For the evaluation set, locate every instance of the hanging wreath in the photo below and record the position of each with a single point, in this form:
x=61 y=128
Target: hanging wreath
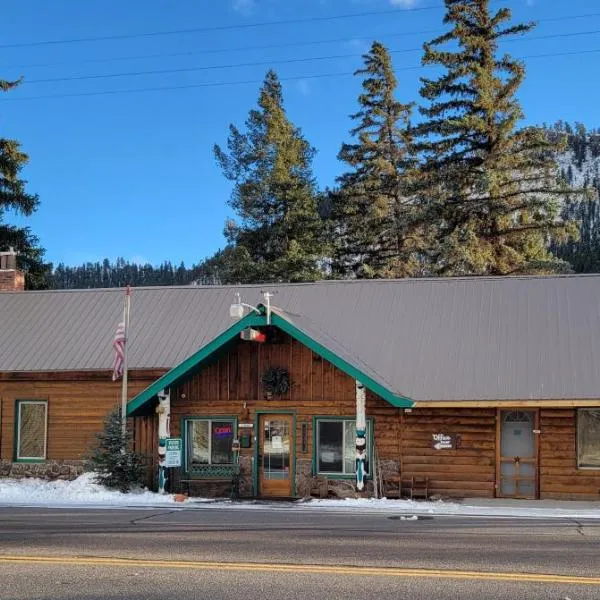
x=276 y=380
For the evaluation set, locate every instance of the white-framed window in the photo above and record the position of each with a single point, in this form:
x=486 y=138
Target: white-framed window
x=209 y=441
x=32 y=429
x=336 y=446
x=588 y=438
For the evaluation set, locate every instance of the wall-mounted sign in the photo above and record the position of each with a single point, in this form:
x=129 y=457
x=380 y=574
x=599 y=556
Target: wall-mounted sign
x=443 y=441
x=223 y=431
x=245 y=425
x=173 y=448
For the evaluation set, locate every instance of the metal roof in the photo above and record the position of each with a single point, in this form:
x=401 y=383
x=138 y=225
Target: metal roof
x=514 y=338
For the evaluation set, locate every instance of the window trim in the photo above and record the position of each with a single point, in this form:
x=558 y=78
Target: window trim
x=17 y=434
x=581 y=467
x=315 y=461
x=210 y=418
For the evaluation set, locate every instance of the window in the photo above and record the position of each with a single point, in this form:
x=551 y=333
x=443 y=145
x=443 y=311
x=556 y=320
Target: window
x=336 y=446
x=32 y=422
x=588 y=438
x=209 y=441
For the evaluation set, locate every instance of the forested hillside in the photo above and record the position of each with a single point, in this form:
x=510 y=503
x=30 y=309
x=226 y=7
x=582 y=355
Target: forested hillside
x=580 y=167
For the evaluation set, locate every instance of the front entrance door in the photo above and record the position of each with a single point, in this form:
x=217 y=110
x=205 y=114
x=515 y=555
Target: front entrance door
x=274 y=455
x=518 y=461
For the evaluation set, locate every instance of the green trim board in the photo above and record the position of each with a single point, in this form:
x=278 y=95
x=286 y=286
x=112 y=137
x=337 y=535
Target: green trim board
x=193 y=362
x=371 y=429
x=257 y=415
x=395 y=400
x=203 y=355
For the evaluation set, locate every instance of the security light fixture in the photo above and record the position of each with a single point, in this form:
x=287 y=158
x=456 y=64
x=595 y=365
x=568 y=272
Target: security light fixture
x=236 y=310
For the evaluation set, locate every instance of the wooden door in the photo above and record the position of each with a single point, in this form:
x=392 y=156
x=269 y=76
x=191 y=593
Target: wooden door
x=517 y=466
x=275 y=456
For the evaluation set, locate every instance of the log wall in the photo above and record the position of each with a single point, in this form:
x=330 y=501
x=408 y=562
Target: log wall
x=559 y=476
x=469 y=470
x=77 y=406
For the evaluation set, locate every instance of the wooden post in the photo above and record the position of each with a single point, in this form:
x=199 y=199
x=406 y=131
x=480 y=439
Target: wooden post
x=361 y=432
x=164 y=430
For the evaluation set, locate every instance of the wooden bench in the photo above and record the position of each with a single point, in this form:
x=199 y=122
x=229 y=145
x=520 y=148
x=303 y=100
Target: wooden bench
x=406 y=487
x=213 y=474
x=416 y=487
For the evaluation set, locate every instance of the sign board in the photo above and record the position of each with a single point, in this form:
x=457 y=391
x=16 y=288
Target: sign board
x=225 y=430
x=442 y=441
x=173 y=448
x=245 y=425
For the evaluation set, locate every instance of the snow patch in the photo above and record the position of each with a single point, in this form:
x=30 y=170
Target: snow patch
x=84 y=492
x=81 y=491
x=584 y=174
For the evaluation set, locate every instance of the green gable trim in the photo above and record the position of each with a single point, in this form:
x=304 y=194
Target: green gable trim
x=393 y=399
x=179 y=372
x=182 y=370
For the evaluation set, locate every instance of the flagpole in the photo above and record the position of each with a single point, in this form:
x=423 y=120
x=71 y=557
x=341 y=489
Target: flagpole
x=126 y=309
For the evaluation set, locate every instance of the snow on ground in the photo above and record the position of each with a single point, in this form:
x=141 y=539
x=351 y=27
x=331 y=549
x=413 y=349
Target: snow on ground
x=83 y=492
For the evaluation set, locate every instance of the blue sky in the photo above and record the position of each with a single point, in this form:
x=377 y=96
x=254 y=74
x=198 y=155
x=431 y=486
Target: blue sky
x=133 y=175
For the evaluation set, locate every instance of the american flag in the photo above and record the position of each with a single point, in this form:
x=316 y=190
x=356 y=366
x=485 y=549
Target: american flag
x=119 y=348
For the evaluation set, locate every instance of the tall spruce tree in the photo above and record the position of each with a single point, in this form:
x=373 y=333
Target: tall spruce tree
x=372 y=211
x=13 y=197
x=279 y=233
x=491 y=189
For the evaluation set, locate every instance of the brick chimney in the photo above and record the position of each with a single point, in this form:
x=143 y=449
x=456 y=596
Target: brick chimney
x=11 y=279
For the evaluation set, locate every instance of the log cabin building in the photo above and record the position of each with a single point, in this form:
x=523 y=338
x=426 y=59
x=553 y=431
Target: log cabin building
x=485 y=387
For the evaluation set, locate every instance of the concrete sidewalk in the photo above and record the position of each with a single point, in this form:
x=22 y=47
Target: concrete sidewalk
x=475 y=507
x=509 y=503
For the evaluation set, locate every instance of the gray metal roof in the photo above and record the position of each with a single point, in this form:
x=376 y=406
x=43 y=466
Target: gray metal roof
x=428 y=339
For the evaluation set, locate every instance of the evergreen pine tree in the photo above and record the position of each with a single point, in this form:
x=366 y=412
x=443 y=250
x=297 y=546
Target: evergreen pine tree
x=372 y=212
x=14 y=197
x=279 y=233
x=112 y=458
x=491 y=190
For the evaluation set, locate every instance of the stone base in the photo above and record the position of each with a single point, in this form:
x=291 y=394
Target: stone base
x=51 y=469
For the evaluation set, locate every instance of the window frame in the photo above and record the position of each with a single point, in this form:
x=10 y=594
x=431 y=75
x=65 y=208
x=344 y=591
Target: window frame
x=580 y=411
x=17 y=436
x=210 y=418
x=370 y=442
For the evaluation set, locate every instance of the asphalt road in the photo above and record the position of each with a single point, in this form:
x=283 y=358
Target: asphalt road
x=278 y=553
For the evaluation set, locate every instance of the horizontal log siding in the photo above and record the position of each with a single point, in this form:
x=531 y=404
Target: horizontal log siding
x=317 y=389
x=145 y=441
x=559 y=476
x=469 y=470
x=76 y=411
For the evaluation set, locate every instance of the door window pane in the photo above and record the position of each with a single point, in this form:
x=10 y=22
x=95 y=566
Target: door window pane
x=588 y=437
x=31 y=435
x=276 y=449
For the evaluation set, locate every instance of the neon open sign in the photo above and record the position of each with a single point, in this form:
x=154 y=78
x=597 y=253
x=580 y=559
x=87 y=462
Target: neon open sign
x=223 y=431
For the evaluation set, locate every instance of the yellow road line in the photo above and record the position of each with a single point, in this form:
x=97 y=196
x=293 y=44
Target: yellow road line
x=288 y=568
